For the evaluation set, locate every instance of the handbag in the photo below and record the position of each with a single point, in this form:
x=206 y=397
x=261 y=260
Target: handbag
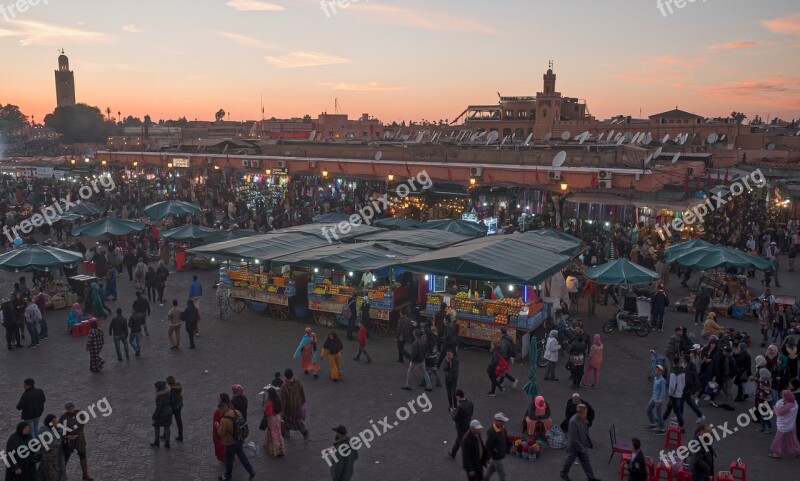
x=303 y=412
x=263 y=424
x=502 y=366
x=749 y=387
x=556 y=438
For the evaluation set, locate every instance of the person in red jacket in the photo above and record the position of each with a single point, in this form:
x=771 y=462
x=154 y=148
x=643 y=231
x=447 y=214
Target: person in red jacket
x=362 y=343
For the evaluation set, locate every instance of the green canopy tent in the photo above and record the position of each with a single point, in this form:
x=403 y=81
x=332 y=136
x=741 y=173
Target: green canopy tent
x=358 y=257
x=39 y=258
x=86 y=208
x=330 y=218
x=331 y=232
x=567 y=245
x=108 y=226
x=160 y=210
x=427 y=238
x=676 y=250
x=397 y=223
x=263 y=247
x=67 y=217
x=531 y=388
x=621 y=272
x=456 y=226
x=557 y=234
x=497 y=258
x=230 y=234
x=706 y=258
x=189 y=232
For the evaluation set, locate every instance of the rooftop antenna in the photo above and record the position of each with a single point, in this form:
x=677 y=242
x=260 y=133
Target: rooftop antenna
x=565 y=136
x=559 y=159
x=493 y=135
x=336 y=108
x=528 y=140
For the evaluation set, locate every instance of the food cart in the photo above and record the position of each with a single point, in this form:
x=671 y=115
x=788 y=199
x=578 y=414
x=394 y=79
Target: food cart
x=386 y=302
x=327 y=300
x=253 y=285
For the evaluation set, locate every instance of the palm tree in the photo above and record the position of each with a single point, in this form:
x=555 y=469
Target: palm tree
x=108 y=113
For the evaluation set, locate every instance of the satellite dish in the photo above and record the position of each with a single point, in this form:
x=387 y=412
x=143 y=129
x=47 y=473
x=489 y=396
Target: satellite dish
x=611 y=134
x=480 y=135
x=683 y=139
x=583 y=138
x=770 y=146
x=493 y=135
x=559 y=159
x=797 y=134
x=712 y=138
x=657 y=152
x=722 y=137
x=618 y=136
x=676 y=157
x=565 y=136
x=648 y=138
x=548 y=136
x=601 y=136
x=648 y=159
x=665 y=139
x=636 y=137
x=419 y=137
x=378 y=155
x=620 y=139
x=528 y=140
x=505 y=139
x=313 y=136
x=386 y=135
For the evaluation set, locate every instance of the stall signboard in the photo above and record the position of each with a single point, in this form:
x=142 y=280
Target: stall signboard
x=180 y=163
x=325 y=306
x=249 y=294
x=379 y=314
x=483 y=331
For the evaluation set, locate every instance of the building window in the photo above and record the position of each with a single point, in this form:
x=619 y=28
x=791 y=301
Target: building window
x=510 y=114
x=686 y=121
x=522 y=114
x=506 y=132
x=519 y=133
x=533 y=114
x=544 y=113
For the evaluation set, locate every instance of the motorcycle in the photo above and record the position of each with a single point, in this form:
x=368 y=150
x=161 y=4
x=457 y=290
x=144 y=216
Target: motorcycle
x=628 y=321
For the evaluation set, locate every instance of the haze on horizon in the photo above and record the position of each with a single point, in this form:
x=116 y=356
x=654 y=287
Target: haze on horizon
x=402 y=60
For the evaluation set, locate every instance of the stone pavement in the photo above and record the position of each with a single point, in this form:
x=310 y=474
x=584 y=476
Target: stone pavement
x=248 y=348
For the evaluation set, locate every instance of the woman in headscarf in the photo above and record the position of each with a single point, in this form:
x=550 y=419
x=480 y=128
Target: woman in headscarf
x=332 y=348
x=20 y=469
x=219 y=448
x=537 y=419
x=785 y=417
x=307 y=352
x=239 y=400
x=273 y=438
x=789 y=349
x=577 y=352
x=75 y=315
x=94 y=345
x=98 y=306
x=53 y=466
x=551 y=349
x=763 y=393
x=771 y=356
x=594 y=362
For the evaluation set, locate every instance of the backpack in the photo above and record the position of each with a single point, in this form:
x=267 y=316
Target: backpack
x=240 y=429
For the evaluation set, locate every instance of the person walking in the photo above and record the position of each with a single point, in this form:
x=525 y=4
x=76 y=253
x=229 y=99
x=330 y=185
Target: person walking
x=118 y=330
x=273 y=438
x=659 y=303
x=230 y=432
x=32 y=318
x=352 y=304
x=773 y=256
x=76 y=437
x=162 y=415
x=498 y=365
x=239 y=400
x=10 y=325
x=462 y=415
x=692 y=386
x=52 y=466
x=31 y=403
x=195 y=293
x=129 y=261
x=474 y=455
x=418 y=349
x=701 y=462
x=149 y=282
x=342 y=466
x=594 y=362
x=450 y=368
x=162 y=273
x=403 y=335
x=497 y=447
x=362 y=343
x=20 y=468
x=140 y=274
x=41 y=303
x=577 y=360
x=675 y=389
x=591 y=291
x=219 y=448
x=293 y=401
x=332 y=349
x=307 y=352
x=174 y=329
x=700 y=304
x=190 y=317
x=137 y=323
x=508 y=350
x=578 y=445
x=111 y=283
x=637 y=466
x=94 y=345
x=176 y=402
x=785 y=441
x=656 y=402
x=744 y=369
x=98 y=306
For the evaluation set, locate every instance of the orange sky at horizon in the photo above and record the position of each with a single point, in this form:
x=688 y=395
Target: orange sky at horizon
x=403 y=60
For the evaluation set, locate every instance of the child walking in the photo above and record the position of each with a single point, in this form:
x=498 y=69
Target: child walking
x=362 y=343
x=595 y=361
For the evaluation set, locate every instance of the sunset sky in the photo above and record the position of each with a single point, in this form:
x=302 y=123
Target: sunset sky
x=401 y=60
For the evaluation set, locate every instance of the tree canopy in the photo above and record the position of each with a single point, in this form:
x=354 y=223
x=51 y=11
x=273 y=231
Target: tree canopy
x=79 y=123
x=11 y=120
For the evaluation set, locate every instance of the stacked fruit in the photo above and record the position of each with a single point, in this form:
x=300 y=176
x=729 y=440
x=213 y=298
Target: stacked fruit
x=462 y=295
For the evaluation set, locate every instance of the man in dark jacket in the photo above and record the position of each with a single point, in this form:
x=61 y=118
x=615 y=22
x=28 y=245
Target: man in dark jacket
x=344 y=456
x=578 y=444
x=176 y=401
x=637 y=466
x=140 y=304
x=744 y=365
x=572 y=408
x=137 y=322
x=418 y=350
x=473 y=452
x=723 y=372
x=701 y=302
x=162 y=415
x=508 y=350
x=702 y=462
x=129 y=260
x=402 y=335
x=32 y=405
x=461 y=416
x=190 y=317
x=497 y=447
x=659 y=303
x=118 y=328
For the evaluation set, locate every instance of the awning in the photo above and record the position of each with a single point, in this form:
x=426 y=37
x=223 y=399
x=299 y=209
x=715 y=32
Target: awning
x=456 y=226
x=360 y=257
x=598 y=198
x=331 y=232
x=674 y=206
x=427 y=238
x=262 y=247
x=549 y=240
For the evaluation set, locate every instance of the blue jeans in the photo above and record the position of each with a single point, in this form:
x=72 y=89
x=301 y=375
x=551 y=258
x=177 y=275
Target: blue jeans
x=550 y=373
x=120 y=340
x=166 y=433
x=34 y=332
x=657 y=419
x=236 y=451
x=136 y=341
x=413 y=366
x=34 y=425
x=42 y=328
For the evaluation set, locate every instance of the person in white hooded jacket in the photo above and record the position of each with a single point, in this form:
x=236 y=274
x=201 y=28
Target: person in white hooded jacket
x=551 y=349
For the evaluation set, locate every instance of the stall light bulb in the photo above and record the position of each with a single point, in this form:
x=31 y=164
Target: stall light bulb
x=351 y=274
x=316 y=270
x=212 y=259
x=427 y=277
x=257 y=261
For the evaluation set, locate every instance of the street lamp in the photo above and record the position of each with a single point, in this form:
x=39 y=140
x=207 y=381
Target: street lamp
x=564 y=187
x=473 y=181
x=390 y=177
x=325 y=173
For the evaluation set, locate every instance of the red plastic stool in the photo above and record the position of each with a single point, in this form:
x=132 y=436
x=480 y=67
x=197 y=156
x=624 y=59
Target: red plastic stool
x=738 y=470
x=673 y=438
x=663 y=473
x=88 y=266
x=685 y=473
x=80 y=329
x=623 y=466
x=651 y=468
x=725 y=476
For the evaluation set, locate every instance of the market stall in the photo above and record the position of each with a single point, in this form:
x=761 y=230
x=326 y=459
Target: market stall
x=249 y=283
x=44 y=260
